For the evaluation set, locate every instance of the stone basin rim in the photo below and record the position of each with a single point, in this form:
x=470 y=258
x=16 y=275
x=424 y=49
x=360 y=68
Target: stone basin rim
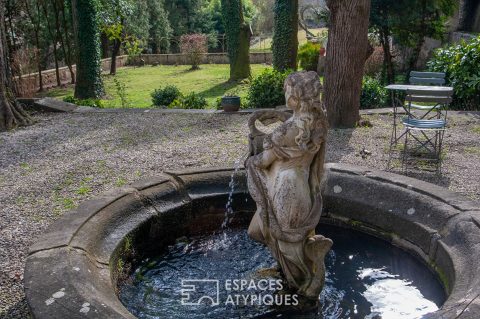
x=71 y=271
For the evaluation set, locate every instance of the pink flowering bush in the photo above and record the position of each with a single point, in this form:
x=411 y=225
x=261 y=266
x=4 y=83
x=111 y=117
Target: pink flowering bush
x=194 y=46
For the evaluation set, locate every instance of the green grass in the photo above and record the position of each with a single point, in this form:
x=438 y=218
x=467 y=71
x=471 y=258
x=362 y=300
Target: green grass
x=266 y=44
x=211 y=81
x=472 y=150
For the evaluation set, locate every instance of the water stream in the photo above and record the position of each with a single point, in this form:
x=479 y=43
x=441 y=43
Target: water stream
x=228 y=207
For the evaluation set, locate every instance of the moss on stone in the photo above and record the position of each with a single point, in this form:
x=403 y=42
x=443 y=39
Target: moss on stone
x=89 y=84
x=238 y=39
x=285 y=36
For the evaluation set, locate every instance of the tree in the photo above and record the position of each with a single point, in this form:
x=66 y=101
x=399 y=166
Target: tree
x=63 y=28
x=113 y=14
x=384 y=17
x=11 y=113
x=238 y=39
x=53 y=37
x=265 y=18
x=194 y=46
x=285 y=35
x=187 y=16
x=34 y=18
x=426 y=18
x=346 y=53
x=159 y=30
x=408 y=22
x=89 y=81
x=214 y=11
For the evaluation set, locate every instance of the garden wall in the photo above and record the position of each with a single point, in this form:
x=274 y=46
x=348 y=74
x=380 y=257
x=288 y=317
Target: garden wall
x=211 y=58
x=29 y=83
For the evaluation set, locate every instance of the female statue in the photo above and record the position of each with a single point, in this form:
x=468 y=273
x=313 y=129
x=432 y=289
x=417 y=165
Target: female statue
x=285 y=179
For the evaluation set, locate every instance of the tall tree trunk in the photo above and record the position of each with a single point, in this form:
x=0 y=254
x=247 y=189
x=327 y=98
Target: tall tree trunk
x=12 y=43
x=87 y=38
x=387 y=56
x=53 y=38
x=105 y=45
x=59 y=32
x=67 y=41
x=11 y=113
x=412 y=63
x=57 y=71
x=347 y=48
x=39 y=64
x=285 y=35
x=115 y=50
x=36 y=31
x=238 y=39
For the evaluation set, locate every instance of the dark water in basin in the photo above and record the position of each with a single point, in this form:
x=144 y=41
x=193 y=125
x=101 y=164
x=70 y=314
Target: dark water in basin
x=366 y=278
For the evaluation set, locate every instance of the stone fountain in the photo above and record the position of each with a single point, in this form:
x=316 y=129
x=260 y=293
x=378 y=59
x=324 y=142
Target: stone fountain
x=125 y=253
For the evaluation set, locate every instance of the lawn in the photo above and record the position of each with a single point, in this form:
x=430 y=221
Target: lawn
x=211 y=81
x=266 y=44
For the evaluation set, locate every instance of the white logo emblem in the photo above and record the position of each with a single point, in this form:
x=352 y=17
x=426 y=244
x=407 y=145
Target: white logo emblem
x=196 y=292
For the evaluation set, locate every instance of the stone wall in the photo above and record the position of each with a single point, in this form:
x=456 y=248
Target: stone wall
x=29 y=83
x=211 y=58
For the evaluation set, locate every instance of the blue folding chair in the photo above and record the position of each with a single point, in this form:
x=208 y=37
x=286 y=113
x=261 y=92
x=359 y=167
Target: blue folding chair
x=427 y=134
x=427 y=78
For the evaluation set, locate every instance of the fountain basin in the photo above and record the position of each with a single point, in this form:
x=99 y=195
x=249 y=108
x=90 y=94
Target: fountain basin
x=73 y=271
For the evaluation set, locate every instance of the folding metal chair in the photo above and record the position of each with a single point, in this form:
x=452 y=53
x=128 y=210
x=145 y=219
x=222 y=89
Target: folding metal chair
x=427 y=78
x=427 y=134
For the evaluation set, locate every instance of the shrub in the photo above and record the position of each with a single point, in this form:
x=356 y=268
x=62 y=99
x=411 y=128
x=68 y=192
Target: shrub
x=460 y=63
x=194 y=46
x=194 y=101
x=266 y=90
x=121 y=92
x=165 y=96
x=87 y=102
x=308 y=55
x=374 y=95
x=133 y=47
x=91 y=102
x=374 y=64
x=70 y=99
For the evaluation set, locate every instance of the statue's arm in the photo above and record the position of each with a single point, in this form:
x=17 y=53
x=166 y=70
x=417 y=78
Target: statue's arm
x=264 y=159
x=266 y=117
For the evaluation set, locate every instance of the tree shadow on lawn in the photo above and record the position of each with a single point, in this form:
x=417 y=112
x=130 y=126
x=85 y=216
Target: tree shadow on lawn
x=220 y=89
x=185 y=71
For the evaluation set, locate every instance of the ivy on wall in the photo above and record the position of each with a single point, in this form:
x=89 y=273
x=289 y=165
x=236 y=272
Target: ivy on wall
x=89 y=81
x=285 y=35
x=238 y=39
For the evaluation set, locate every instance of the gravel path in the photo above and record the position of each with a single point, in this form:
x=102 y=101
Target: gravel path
x=48 y=168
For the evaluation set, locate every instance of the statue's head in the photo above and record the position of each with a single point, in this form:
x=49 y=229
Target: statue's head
x=302 y=91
